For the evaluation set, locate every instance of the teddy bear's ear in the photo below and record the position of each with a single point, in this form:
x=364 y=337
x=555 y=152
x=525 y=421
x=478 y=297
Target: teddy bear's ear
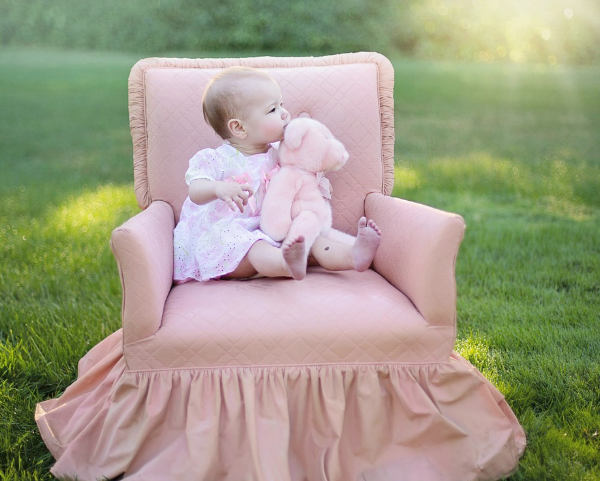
x=294 y=133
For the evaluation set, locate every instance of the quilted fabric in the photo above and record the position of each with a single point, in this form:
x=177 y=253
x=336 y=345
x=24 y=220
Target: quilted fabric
x=350 y=93
x=330 y=317
x=143 y=248
x=418 y=254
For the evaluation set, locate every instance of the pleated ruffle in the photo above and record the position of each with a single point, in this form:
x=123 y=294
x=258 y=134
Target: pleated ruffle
x=426 y=422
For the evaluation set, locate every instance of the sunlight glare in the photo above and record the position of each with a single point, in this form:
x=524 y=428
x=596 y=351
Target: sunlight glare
x=406 y=178
x=91 y=209
x=535 y=31
x=517 y=55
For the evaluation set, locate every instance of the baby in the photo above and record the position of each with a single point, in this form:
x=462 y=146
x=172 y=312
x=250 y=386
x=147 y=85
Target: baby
x=218 y=235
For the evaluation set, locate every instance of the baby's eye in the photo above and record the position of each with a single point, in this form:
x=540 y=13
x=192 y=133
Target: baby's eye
x=272 y=110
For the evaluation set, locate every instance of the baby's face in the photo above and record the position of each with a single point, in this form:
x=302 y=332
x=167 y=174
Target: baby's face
x=266 y=119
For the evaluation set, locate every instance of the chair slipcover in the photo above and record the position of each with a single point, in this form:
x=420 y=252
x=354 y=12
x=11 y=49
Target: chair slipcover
x=343 y=376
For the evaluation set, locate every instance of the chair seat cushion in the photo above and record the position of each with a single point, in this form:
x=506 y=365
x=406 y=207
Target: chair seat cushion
x=329 y=317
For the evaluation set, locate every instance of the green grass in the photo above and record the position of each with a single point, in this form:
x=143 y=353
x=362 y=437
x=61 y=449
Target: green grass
x=515 y=150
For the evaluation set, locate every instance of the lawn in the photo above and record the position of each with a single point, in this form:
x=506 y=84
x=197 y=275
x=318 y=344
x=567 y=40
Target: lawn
x=514 y=149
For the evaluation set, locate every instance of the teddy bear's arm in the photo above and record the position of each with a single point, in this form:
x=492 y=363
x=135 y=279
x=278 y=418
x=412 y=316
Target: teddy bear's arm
x=276 y=211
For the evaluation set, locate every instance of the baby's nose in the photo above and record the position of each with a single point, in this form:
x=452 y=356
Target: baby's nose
x=285 y=114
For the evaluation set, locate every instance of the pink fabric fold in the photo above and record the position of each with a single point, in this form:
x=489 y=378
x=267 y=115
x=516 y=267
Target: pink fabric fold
x=442 y=422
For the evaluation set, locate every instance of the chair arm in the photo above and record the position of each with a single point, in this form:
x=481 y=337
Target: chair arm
x=143 y=248
x=418 y=253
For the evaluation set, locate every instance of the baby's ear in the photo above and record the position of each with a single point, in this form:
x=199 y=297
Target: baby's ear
x=237 y=129
x=294 y=133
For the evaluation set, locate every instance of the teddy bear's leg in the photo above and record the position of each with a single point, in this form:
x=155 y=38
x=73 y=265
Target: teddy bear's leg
x=305 y=224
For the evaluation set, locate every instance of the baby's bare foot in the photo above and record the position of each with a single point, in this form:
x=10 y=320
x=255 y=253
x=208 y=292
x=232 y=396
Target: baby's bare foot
x=294 y=255
x=366 y=245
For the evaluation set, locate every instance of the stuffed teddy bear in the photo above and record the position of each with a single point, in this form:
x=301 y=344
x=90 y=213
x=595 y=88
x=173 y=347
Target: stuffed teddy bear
x=296 y=202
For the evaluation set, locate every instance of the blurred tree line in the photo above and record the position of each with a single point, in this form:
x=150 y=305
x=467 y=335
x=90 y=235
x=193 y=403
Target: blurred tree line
x=549 y=31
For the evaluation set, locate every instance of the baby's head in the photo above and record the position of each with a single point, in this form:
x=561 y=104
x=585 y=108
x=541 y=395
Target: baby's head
x=245 y=104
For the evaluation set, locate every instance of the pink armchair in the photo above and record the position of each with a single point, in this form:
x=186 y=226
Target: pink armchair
x=342 y=376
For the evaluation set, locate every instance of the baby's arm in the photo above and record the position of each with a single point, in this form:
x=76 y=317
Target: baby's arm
x=203 y=191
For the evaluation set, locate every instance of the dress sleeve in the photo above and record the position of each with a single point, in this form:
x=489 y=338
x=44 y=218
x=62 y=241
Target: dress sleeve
x=204 y=165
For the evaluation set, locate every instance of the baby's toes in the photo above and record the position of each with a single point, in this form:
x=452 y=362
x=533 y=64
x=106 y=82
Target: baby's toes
x=373 y=226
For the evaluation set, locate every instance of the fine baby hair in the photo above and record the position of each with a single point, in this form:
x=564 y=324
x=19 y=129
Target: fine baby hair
x=226 y=96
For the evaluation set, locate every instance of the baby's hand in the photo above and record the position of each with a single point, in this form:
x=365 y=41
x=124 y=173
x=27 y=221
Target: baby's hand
x=234 y=194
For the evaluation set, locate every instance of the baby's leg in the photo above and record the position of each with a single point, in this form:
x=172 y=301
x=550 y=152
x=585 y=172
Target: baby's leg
x=337 y=254
x=332 y=254
x=271 y=261
x=341 y=237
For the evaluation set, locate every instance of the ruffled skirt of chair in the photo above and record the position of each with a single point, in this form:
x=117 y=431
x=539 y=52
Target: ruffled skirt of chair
x=374 y=422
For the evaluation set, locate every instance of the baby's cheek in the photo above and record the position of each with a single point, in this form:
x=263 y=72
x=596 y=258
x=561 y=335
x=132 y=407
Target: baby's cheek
x=271 y=128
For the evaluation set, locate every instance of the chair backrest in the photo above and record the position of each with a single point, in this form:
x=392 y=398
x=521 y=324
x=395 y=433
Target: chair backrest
x=350 y=93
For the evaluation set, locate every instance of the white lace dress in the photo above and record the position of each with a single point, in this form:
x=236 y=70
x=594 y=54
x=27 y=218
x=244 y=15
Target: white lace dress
x=210 y=240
